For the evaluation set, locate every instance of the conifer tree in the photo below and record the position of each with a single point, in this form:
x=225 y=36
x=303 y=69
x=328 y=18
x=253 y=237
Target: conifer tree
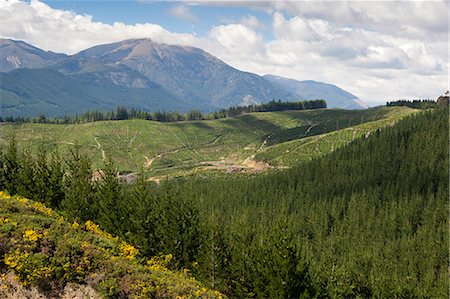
x=78 y=200
x=2 y=173
x=55 y=193
x=42 y=176
x=110 y=200
x=26 y=178
x=11 y=166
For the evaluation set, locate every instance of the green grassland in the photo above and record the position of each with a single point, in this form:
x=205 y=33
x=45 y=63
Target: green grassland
x=278 y=138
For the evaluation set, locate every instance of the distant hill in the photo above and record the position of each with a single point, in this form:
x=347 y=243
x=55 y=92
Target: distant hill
x=30 y=92
x=18 y=54
x=336 y=97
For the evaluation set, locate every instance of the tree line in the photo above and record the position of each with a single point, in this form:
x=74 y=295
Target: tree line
x=122 y=113
x=368 y=220
x=415 y=104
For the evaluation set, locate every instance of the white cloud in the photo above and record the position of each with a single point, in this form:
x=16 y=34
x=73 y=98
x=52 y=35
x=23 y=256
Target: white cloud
x=377 y=51
x=65 y=31
x=183 y=12
x=236 y=41
x=252 y=22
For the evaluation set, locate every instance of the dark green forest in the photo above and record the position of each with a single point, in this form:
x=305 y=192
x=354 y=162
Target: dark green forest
x=415 y=104
x=368 y=220
x=123 y=113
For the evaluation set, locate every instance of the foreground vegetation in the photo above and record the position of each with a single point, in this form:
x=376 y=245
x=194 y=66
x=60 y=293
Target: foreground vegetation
x=367 y=220
x=45 y=251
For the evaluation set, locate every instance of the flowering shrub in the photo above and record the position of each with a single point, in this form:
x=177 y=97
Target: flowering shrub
x=160 y=263
x=31 y=235
x=46 y=251
x=4 y=195
x=42 y=208
x=92 y=227
x=7 y=225
x=128 y=251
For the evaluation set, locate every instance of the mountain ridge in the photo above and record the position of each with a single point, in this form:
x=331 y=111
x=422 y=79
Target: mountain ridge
x=19 y=54
x=188 y=72
x=188 y=77
x=335 y=96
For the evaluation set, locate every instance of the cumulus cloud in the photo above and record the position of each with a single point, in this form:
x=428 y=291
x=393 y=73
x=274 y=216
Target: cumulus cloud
x=65 y=31
x=377 y=51
x=237 y=40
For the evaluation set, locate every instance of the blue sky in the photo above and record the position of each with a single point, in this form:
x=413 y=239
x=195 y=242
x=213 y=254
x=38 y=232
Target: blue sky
x=159 y=12
x=376 y=50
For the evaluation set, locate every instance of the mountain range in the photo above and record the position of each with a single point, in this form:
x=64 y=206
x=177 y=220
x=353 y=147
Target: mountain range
x=143 y=74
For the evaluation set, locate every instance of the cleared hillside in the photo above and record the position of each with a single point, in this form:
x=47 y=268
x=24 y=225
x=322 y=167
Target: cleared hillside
x=232 y=144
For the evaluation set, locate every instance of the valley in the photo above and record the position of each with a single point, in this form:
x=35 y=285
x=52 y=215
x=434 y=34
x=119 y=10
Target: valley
x=250 y=143
x=224 y=149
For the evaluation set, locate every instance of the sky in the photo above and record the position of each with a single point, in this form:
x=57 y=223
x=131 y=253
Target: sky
x=377 y=50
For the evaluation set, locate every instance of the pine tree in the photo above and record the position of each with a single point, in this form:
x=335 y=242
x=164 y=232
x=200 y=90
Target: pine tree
x=11 y=166
x=42 y=176
x=55 y=193
x=78 y=200
x=111 y=200
x=26 y=177
x=144 y=216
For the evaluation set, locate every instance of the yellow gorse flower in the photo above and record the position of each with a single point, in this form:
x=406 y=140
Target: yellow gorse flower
x=7 y=221
x=22 y=199
x=92 y=227
x=31 y=235
x=42 y=208
x=5 y=195
x=128 y=251
x=75 y=225
x=200 y=292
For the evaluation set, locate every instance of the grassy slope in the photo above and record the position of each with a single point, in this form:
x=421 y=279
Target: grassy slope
x=305 y=149
x=46 y=252
x=177 y=148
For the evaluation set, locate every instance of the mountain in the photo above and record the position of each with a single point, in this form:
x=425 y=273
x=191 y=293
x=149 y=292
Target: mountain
x=18 y=54
x=190 y=73
x=335 y=96
x=143 y=74
x=30 y=92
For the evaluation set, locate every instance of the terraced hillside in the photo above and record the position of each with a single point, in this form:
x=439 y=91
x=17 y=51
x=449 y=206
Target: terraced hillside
x=249 y=143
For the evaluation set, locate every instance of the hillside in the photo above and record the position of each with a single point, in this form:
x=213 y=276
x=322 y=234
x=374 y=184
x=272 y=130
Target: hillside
x=31 y=92
x=17 y=54
x=336 y=97
x=232 y=144
x=317 y=144
x=190 y=73
x=54 y=257
x=369 y=219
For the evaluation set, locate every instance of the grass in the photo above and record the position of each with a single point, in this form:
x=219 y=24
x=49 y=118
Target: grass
x=46 y=252
x=307 y=148
x=189 y=147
